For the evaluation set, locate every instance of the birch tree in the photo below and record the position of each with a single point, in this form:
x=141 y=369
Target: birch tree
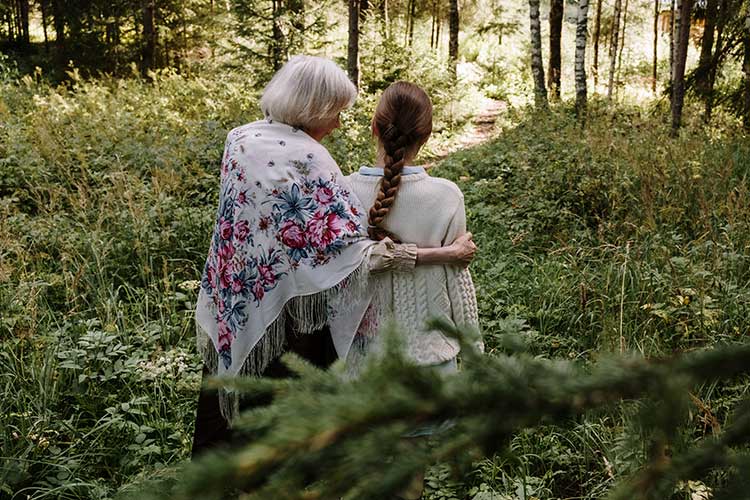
x=537 y=65
x=580 y=59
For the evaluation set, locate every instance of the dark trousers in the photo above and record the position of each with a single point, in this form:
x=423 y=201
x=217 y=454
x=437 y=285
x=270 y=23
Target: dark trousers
x=211 y=428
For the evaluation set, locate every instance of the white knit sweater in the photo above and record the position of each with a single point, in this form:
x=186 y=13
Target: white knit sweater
x=429 y=212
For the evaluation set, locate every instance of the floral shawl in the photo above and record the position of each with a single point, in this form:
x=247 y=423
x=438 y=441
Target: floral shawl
x=288 y=234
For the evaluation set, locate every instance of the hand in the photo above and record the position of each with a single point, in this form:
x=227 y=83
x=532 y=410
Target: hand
x=463 y=250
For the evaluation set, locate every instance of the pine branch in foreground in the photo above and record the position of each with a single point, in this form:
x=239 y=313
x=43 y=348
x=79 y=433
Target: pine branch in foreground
x=327 y=438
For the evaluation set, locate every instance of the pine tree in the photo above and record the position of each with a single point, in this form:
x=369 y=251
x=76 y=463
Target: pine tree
x=324 y=437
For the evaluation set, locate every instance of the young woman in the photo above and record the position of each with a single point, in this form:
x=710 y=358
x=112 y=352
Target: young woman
x=289 y=248
x=410 y=206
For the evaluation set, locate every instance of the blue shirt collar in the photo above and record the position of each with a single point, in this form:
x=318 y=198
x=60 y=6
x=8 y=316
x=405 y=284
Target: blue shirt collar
x=378 y=171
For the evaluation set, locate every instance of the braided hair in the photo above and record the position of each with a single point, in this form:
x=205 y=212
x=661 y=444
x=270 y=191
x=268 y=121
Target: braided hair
x=403 y=123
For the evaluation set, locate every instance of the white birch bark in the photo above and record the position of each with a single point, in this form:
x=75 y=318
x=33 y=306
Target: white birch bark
x=580 y=58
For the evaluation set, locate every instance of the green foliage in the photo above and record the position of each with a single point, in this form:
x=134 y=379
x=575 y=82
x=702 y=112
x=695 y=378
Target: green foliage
x=322 y=432
x=271 y=31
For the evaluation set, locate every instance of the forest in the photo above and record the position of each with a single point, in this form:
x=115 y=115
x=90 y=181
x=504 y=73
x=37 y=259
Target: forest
x=602 y=150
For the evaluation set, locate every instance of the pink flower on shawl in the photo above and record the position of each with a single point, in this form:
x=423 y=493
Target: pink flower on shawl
x=352 y=226
x=324 y=195
x=323 y=228
x=224 y=265
x=225 y=229
x=211 y=275
x=225 y=335
x=242 y=198
x=237 y=285
x=267 y=275
x=258 y=290
x=242 y=230
x=292 y=235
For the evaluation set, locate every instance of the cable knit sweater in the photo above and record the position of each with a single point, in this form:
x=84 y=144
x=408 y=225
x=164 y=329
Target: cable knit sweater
x=429 y=212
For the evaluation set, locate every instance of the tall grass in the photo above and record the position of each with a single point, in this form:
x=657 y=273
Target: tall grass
x=612 y=239
x=591 y=241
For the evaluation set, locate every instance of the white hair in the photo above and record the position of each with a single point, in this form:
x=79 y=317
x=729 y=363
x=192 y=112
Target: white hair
x=307 y=92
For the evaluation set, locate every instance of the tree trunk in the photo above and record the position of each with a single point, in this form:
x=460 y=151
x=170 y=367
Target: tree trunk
x=746 y=67
x=676 y=34
x=385 y=15
x=439 y=23
x=43 y=7
x=58 y=21
x=681 y=49
x=580 y=59
x=352 y=61
x=555 y=34
x=412 y=12
x=432 y=25
x=655 y=75
x=537 y=65
x=597 y=32
x=613 y=47
x=9 y=21
x=703 y=73
x=23 y=11
x=672 y=12
x=297 y=9
x=148 y=51
x=453 y=40
x=277 y=44
x=722 y=21
x=622 y=42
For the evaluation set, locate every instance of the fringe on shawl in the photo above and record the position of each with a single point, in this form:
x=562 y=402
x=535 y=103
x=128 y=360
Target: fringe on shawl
x=308 y=313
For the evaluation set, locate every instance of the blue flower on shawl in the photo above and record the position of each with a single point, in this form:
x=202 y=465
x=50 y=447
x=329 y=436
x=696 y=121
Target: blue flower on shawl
x=295 y=206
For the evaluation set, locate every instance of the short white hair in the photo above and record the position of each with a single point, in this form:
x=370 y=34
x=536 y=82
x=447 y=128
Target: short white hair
x=307 y=92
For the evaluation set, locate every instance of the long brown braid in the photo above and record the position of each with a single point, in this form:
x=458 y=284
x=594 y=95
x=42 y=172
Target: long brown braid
x=403 y=120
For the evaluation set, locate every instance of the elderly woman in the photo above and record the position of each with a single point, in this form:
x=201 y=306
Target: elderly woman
x=289 y=254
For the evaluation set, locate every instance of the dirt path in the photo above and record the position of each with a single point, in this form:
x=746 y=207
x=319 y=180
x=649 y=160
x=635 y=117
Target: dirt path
x=482 y=129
